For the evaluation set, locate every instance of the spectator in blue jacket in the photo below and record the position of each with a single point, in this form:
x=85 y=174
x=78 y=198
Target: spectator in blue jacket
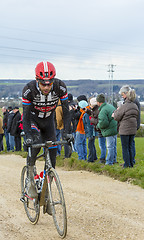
x=93 y=115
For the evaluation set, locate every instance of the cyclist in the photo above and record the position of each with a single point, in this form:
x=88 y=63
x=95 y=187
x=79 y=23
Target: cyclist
x=40 y=98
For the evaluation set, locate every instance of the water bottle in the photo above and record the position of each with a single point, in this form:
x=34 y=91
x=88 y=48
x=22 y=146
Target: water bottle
x=41 y=178
x=37 y=181
x=41 y=175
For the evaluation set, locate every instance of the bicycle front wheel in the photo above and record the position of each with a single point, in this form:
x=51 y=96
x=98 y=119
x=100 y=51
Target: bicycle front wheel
x=31 y=206
x=57 y=203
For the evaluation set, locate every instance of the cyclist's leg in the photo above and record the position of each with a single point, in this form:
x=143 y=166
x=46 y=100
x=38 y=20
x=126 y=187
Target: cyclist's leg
x=31 y=189
x=48 y=133
x=53 y=152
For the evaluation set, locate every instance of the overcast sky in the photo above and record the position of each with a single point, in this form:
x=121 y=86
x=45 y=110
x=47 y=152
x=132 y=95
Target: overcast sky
x=80 y=37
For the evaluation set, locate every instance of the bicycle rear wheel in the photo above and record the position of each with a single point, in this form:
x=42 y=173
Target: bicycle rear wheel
x=31 y=206
x=57 y=203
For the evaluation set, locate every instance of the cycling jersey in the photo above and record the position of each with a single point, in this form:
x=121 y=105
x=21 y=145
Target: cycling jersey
x=38 y=114
x=40 y=106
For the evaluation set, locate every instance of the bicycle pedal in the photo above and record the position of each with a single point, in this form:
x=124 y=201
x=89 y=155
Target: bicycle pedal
x=22 y=199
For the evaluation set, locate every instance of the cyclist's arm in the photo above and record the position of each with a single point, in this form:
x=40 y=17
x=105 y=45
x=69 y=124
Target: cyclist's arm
x=26 y=102
x=65 y=107
x=26 y=121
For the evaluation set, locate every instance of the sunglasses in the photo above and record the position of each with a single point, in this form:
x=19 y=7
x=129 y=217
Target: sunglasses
x=43 y=84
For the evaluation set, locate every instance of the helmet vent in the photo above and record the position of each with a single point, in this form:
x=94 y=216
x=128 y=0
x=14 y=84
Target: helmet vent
x=41 y=74
x=46 y=74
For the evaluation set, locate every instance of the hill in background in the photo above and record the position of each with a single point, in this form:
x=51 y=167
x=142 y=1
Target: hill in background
x=13 y=88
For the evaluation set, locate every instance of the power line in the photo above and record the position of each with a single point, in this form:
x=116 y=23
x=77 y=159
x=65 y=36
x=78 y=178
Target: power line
x=72 y=37
x=111 y=71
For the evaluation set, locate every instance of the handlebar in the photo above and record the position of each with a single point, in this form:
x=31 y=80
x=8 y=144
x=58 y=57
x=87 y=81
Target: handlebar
x=49 y=143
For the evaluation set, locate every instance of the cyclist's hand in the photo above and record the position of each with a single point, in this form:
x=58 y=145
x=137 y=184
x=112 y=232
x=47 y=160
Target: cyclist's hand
x=28 y=142
x=68 y=137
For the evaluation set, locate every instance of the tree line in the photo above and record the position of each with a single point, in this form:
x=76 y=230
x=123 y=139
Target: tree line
x=13 y=88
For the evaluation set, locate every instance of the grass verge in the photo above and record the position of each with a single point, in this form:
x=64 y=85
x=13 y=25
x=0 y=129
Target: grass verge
x=133 y=175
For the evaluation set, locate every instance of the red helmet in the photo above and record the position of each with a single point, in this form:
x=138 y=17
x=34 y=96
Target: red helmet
x=45 y=72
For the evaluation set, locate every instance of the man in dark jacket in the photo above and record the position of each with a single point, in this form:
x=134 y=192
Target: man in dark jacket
x=72 y=105
x=5 y=119
x=93 y=113
x=108 y=127
x=15 y=129
x=9 y=125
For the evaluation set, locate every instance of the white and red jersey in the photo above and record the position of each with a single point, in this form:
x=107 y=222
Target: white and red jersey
x=41 y=106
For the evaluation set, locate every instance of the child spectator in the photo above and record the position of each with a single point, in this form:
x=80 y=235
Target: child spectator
x=89 y=132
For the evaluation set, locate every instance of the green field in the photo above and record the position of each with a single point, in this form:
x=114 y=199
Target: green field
x=142 y=117
x=133 y=175
x=10 y=83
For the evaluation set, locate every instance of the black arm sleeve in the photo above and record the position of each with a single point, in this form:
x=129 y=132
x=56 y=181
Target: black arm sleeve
x=26 y=120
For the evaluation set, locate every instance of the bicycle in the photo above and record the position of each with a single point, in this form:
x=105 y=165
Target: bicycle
x=50 y=193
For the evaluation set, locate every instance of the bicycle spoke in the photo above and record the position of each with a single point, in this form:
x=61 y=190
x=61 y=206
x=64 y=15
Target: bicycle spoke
x=58 y=204
x=31 y=205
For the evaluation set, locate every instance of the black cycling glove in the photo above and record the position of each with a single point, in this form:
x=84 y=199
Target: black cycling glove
x=69 y=137
x=28 y=142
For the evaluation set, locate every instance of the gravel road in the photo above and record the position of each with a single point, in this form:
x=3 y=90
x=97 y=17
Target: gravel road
x=98 y=207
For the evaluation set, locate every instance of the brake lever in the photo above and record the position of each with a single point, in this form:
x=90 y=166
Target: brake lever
x=72 y=146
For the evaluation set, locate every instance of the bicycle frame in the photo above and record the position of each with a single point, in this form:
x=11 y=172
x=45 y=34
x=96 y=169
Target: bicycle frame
x=50 y=195
x=47 y=166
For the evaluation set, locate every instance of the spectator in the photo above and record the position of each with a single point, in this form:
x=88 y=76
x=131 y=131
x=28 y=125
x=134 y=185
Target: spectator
x=77 y=112
x=21 y=124
x=60 y=130
x=127 y=115
x=1 y=134
x=80 y=133
x=93 y=112
x=82 y=97
x=59 y=124
x=9 y=124
x=15 y=128
x=108 y=127
x=72 y=106
x=76 y=115
x=21 y=128
x=5 y=119
x=124 y=89
x=89 y=132
x=70 y=99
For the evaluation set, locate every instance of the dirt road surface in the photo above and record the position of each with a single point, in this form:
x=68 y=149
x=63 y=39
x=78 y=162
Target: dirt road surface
x=98 y=207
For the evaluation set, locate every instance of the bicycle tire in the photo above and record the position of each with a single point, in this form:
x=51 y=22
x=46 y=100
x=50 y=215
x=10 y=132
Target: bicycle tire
x=31 y=206
x=57 y=203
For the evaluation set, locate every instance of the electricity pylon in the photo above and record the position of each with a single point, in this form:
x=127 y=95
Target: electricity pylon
x=111 y=71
